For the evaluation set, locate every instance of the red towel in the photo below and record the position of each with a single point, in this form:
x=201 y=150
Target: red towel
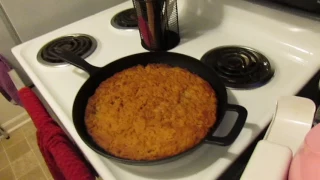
x=63 y=159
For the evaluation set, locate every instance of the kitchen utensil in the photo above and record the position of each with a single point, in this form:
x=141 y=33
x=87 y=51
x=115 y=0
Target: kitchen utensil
x=268 y=155
x=161 y=16
x=150 y=12
x=97 y=75
x=143 y=25
x=144 y=30
x=292 y=121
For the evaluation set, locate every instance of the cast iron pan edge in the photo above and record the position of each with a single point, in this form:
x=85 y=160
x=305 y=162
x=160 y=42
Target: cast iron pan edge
x=97 y=75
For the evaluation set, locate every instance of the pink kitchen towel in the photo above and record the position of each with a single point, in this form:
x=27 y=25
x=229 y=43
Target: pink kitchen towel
x=63 y=158
x=7 y=88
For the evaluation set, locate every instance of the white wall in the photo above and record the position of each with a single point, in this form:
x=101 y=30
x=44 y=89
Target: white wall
x=7 y=110
x=6 y=43
x=32 y=18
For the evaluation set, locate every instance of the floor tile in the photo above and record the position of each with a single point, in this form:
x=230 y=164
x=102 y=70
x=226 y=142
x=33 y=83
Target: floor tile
x=46 y=171
x=1 y=147
x=28 y=128
x=15 y=137
x=3 y=160
x=6 y=174
x=16 y=151
x=34 y=174
x=39 y=156
x=24 y=164
x=32 y=140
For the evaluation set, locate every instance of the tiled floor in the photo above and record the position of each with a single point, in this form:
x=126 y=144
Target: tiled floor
x=20 y=157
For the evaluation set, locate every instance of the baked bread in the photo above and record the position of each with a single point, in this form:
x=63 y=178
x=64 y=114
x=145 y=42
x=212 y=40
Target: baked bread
x=151 y=112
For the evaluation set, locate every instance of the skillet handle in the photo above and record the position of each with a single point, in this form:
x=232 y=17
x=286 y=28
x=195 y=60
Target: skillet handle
x=75 y=60
x=236 y=129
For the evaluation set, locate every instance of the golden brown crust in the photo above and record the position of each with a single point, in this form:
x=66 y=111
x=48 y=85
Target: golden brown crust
x=150 y=113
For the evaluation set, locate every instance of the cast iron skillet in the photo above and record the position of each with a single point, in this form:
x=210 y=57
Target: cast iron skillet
x=97 y=75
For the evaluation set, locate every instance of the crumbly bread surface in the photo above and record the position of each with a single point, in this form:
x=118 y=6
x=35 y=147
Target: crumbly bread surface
x=151 y=112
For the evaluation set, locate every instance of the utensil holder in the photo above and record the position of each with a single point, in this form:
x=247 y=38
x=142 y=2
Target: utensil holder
x=158 y=24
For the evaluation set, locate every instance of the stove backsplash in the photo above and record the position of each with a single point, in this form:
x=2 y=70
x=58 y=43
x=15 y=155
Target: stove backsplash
x=309 y=5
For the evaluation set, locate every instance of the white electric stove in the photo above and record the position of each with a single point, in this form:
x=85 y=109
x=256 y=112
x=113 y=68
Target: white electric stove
x=290 y=42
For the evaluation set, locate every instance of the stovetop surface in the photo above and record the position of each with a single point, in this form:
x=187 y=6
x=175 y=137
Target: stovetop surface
x=239 y=67
x=290 y=42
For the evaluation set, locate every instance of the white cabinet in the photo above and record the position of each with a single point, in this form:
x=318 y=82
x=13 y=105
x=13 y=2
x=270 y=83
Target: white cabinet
x=32 y=18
